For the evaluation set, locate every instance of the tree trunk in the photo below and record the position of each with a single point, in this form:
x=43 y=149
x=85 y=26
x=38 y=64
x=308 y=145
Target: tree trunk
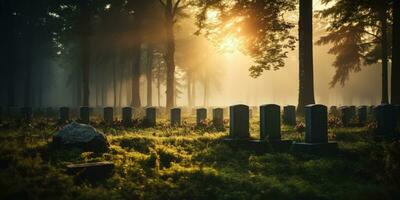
x=159 y=85
x=194 y=92
x=136 y=76
x=84 y=31
x=189 y=89
x=395 y=89
x=384 y=46
x=306 y=74
x=149 y=75
x=115 y=63
x=170 y=52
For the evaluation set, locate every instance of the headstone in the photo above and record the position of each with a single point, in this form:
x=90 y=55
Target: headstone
x=270 y=122
x=398 y=115
x=175 y=117
x=386 y=120
x=64 y=114
x=353 y=110
x=239 y=122
x=289 y=115
x=316 y=124
x=92 y=172
x=362 y=115
x=108 y=115
x=151 y=115
x=1 y=114
x=334 y=111
x=316 y=138
x=127 y=116
x=81 y=136
x=201 y=116
x=347 y=116
x=218 y=117
x=84 y=114
x=26 y=114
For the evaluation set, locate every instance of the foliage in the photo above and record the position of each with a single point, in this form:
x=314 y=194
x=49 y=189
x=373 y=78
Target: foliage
x=191 y=163
x=259 y=25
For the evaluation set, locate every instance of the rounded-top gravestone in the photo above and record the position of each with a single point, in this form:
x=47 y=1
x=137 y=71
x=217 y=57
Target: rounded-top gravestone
x=239 y=122
x=316 y=123
x=270 y=122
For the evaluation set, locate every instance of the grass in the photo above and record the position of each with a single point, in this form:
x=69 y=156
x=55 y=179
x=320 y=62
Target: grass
x=191 y=163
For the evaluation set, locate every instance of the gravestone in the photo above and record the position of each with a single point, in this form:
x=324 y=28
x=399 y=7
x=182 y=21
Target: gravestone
x=1 y=114
x=270 y=122
x=201 y=116
x=398 y=115
x=175 y=117
x=92 y=172
x=81 y=136
x=218 y=118
x=334 y=111
x=26 y=114
x=151 y=116
x=346 y=115
x=239 y=122
x=289 y=115
x=84 y=114
x=64 y=114
x=127 y=116
x=362 y=115
x=316 y=138
x=386 y=120
x=316 y=124
x=108 y=115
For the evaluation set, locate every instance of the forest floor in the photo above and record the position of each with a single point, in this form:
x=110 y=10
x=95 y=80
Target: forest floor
x=193 y=163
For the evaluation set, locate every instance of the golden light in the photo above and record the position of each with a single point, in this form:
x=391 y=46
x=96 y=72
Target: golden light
x=212 y=16
x=230 y=44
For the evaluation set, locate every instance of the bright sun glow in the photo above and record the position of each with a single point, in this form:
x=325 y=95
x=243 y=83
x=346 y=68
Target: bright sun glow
x=212 y=16
x=230 y=44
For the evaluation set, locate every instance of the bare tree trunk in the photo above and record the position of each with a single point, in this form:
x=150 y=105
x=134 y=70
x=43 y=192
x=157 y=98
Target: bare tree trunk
x=84 y=31
x=115 y=79
x=189 y=89
x=149 y=75
x=395 y=89
x=159 y=85
x=306 y=74
x=384 y=46
x=136 y=76
x=170 y=53
x=194 y=92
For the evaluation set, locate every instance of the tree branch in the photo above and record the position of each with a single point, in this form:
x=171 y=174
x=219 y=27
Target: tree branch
x=162 y=3
x=175 y=7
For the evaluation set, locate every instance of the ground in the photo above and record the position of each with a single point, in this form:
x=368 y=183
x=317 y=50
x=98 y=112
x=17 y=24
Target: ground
x=193 y=163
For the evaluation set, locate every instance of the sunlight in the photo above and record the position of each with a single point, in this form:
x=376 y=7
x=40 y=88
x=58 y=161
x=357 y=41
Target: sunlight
x=230 y=44
x=212 y=16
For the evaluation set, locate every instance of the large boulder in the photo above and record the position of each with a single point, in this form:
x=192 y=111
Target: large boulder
x=81 y=136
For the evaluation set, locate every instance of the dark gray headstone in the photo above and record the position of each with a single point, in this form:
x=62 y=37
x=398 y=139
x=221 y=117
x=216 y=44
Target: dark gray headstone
x=270 y=122
x=64 y=114
x=398 y=115
x=362 y=115
x=386 y=120
x=84 y=114
x=289 y=115
x=151 y=116
x=316 y=124
x=26 y=114
x=239 y=122
x=218 y=117
x=108 y=115
x=334 y=111
x=127 y=116
x=347 y=115
x=175 y=117
x=201 y=116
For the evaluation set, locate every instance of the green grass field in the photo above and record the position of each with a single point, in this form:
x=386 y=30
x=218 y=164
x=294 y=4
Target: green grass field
x=189 y=163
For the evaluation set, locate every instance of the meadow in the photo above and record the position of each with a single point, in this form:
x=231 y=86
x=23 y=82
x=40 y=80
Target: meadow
x=188 y=162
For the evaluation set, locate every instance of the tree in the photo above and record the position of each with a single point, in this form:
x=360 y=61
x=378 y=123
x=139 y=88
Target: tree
x=306 y=74
x=359 y=32
x=395 y=89
x=171 y=11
